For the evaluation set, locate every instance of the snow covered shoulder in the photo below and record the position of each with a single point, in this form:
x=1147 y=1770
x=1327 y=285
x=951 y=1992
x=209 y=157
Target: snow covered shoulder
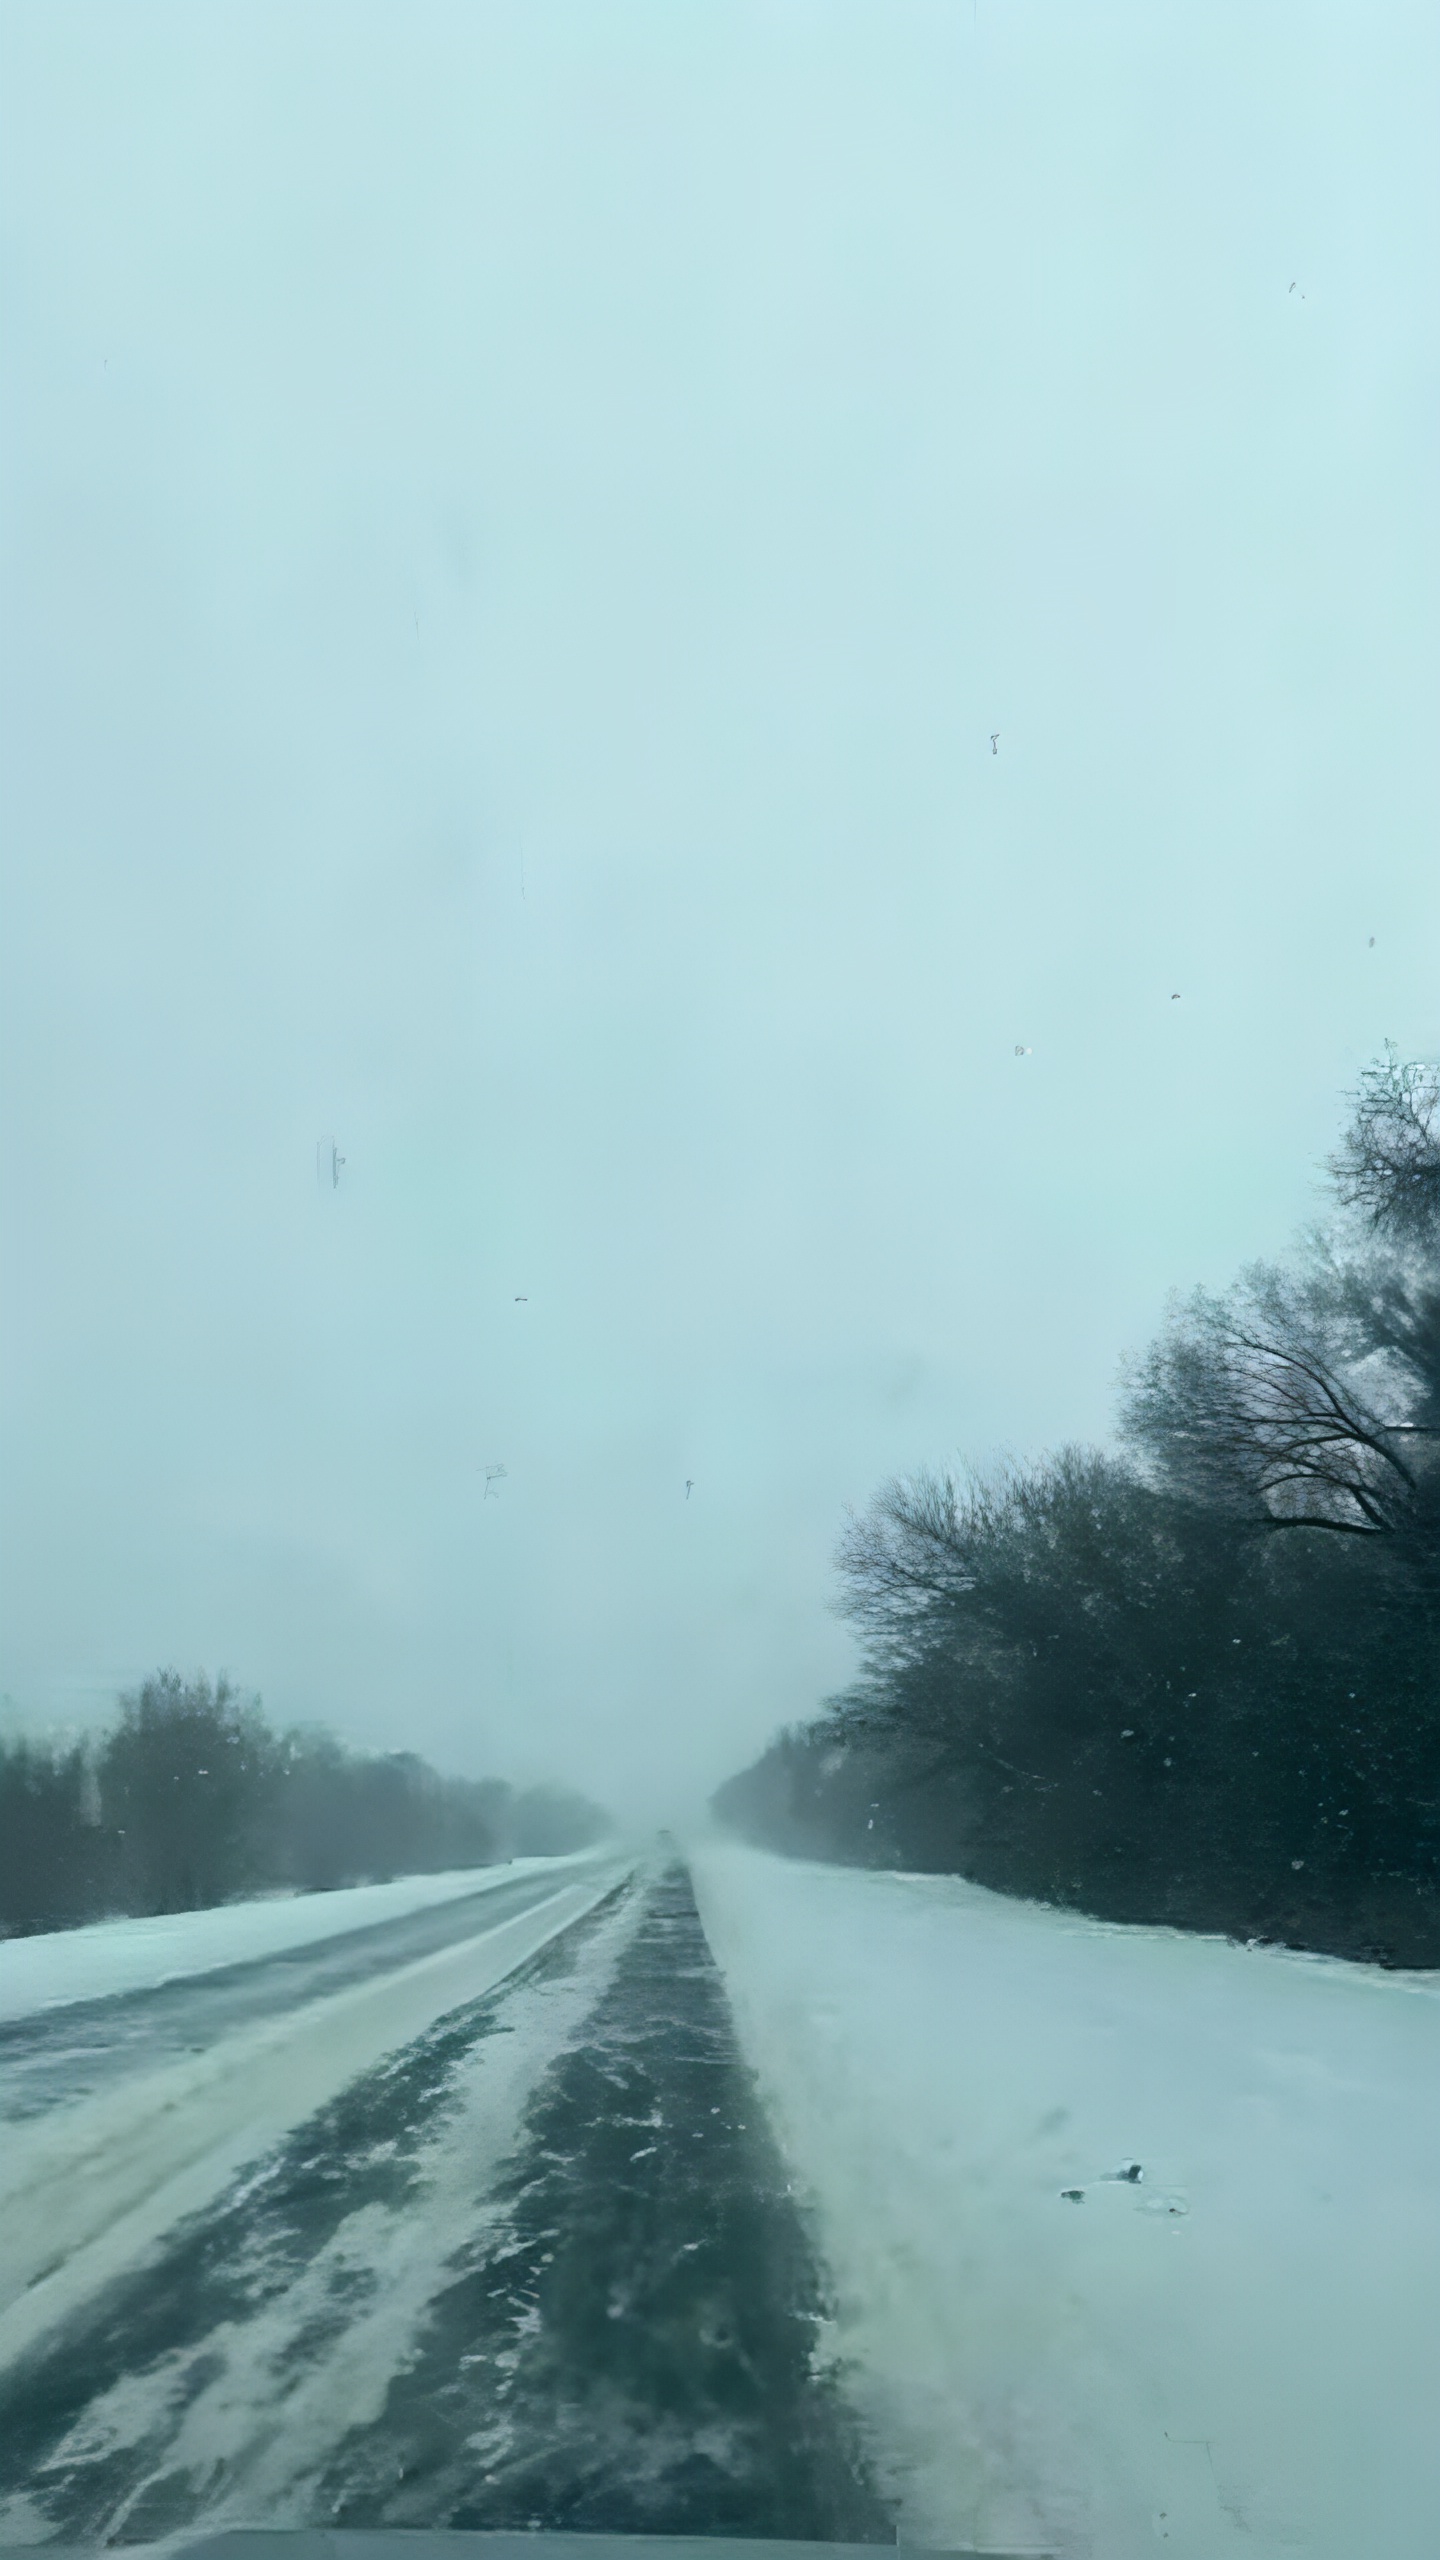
x=1135 y=2236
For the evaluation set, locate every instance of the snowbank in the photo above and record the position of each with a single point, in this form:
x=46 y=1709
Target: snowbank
x=1236 y=2350
x=110 y=1956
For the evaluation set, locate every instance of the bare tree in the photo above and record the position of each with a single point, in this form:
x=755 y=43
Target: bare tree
x=908 y=1552
x=968 y=1594
x=1307 y=1400
x=1387 y=1165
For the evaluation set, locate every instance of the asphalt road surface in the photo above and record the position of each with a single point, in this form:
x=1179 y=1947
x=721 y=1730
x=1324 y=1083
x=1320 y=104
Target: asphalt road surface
x=538 y=2265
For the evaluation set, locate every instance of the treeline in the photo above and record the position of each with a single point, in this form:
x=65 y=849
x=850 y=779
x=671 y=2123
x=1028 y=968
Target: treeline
x=191 y=1799
x=1196 y=1681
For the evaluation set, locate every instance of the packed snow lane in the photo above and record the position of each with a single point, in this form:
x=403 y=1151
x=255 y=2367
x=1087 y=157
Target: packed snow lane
x=539 y=2268
x=1135 y=2236
x=88 y=2187
x=56 y=2054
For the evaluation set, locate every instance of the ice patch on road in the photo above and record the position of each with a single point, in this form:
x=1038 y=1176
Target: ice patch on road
x=1237 y=2349
x=110 y=1957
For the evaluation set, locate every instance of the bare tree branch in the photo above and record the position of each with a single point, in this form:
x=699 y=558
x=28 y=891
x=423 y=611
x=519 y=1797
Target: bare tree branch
x=1387 y=1166
x=1279 y=1398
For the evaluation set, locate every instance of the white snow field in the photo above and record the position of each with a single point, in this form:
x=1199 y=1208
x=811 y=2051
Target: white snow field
x=1239 y=2351
x=111 y=1956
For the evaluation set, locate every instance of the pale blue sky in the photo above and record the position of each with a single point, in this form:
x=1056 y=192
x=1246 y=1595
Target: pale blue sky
x=519 y=524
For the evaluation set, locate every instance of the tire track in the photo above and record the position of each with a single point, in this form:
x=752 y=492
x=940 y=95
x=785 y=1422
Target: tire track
x=210 y=2380
x=630 y=2345
x=540 y=2268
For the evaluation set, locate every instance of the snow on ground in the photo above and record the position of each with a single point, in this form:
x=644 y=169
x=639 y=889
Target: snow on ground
x=111 y=1956
x=1237 y=2350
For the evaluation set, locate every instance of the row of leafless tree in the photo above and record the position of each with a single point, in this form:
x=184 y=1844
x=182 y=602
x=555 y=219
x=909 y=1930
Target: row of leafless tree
x=1197 y=1679
x=191 y=1799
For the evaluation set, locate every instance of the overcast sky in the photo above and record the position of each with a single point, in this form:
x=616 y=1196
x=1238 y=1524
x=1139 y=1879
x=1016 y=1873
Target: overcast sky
x=520 y=522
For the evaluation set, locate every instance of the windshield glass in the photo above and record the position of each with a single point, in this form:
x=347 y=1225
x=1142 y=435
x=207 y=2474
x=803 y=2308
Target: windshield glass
x=720 y=1745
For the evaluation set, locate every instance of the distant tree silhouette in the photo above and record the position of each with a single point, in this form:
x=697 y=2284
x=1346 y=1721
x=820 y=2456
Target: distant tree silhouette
x=187 y=1780
x=56 y=1859
x=190 y=1799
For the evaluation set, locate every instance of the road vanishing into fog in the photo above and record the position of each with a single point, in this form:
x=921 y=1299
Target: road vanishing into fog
x=468 y=2219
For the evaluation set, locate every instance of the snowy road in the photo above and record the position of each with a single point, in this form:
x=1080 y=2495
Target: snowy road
x=61 y=2054
x=196 y=2079
x=529 y=2255
x=875 y=2201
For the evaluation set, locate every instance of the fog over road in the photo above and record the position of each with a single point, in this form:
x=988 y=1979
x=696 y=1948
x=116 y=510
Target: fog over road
x=529 y=2257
